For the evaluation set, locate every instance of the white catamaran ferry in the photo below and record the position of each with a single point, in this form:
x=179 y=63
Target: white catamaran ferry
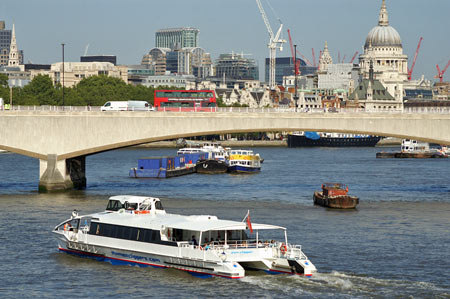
x=136 y=230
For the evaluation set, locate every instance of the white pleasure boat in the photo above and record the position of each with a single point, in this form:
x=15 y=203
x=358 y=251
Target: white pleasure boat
x=136 y=230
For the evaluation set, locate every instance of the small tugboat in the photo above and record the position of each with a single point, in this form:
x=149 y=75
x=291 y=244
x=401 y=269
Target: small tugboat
x=334 y=195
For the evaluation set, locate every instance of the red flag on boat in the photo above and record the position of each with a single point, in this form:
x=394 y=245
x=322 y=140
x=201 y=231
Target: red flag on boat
x=249 y=223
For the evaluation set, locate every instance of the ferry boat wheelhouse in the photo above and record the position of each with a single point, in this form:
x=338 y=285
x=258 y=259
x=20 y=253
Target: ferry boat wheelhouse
x=213 y=149
x=244 y=161
x=136 y=230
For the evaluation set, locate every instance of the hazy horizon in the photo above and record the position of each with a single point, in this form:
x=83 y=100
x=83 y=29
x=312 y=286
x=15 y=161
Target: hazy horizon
x=127 y=28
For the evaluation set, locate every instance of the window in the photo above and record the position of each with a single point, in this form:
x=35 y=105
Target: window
x=158 y=205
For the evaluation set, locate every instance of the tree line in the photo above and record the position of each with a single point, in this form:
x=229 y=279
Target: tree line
x=93 y=91
x=90 y=91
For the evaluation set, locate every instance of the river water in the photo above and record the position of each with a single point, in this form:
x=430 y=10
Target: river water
x=396 y=244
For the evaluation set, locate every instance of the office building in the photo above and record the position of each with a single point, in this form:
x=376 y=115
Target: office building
x=236 y=66
x=99 y=58
x=284 y=66
x=176 y=38
x=6 y=36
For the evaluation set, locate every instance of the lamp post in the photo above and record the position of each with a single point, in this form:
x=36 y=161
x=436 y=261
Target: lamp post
x=62 y=75
x=295 y=75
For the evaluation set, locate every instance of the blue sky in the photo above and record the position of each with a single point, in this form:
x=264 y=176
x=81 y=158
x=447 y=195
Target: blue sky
x=126 y=28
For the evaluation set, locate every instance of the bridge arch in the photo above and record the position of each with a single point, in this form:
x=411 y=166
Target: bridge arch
x=62 y=140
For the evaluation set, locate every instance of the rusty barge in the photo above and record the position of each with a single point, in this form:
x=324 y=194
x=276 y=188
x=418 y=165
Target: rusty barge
x=334 y=195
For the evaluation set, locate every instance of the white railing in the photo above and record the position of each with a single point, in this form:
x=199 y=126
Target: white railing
x=419 y=110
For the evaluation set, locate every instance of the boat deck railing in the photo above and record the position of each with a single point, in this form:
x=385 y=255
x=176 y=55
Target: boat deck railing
x=281 y=249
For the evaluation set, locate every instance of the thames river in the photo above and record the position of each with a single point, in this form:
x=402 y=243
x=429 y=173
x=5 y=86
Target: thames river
x=395 y=244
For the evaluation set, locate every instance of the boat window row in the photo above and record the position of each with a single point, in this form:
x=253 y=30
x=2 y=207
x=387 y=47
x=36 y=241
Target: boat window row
x=241 y=153
x=238 y=162
x=116 y=205
x=126 y=233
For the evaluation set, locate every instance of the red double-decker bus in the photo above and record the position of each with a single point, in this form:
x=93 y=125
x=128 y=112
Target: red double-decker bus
x=185 y=100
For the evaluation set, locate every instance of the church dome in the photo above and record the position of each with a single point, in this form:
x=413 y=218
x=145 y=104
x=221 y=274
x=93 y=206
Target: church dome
x=383 y=36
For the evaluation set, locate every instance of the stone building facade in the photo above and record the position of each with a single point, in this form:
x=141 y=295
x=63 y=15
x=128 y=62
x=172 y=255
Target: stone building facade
x=383 y=48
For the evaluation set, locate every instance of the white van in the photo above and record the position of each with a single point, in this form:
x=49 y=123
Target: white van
x=127 y=106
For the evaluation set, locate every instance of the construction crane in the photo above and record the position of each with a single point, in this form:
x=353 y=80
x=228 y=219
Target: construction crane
x=343 y=58
x=354 y=56
x=86 y=49
x=314 y=57
x=440 y=74
x=414 y=60
x=274 y=43
x=304 y=58
x=293 y=53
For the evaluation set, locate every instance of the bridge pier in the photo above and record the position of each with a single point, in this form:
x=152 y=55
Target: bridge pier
x=58 y=175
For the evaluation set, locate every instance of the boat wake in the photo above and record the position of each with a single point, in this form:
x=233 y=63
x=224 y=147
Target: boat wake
x=345 y=284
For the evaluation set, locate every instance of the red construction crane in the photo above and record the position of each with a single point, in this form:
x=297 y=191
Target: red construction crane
x=314 y=57
x=440 y=74
x=304 y=58
x=343 y=58
x=414 y=60
x=354 y=56
x=293 y=53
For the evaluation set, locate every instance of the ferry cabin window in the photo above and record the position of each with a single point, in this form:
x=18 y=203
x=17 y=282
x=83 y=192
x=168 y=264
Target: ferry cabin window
x=114 y=205
x=125 y=233
x=158 y=205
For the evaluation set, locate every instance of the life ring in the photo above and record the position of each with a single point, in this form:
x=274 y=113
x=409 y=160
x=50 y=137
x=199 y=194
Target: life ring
x=205 y=165
x=283 y=248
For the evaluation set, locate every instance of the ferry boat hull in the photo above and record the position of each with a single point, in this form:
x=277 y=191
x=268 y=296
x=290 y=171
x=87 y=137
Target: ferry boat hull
x=243 y=169
x=336 y=202
x=230 y=265
x=211 y=166
x=117 y=256
x=303 y=141
x=426 y=155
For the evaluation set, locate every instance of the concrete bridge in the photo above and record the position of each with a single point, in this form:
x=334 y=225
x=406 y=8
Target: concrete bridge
x=62 y=140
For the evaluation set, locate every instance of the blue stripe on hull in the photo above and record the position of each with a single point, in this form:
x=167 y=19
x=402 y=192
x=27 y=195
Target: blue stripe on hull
x=122 y=262
x=244 y=169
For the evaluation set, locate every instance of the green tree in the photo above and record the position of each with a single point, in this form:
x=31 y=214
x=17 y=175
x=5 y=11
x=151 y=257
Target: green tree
x=40 y=91
x=4 y=88
x=97 y=90
x=4 y=80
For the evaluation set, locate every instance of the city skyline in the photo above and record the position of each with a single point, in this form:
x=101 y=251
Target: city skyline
x=127 y=28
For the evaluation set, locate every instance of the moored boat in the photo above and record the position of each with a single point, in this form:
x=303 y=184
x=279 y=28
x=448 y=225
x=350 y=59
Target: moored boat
x=136 y=230
x=415 y=149
x=244 y=161
x=311 y=139
x=334 y=195
x=210 y=166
